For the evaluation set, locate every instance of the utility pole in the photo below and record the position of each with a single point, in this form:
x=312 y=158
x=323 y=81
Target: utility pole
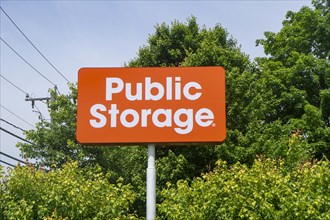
x=27 y=98
x=33 y=100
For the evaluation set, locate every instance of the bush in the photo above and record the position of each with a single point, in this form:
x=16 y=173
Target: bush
x=68 y=193
x=264 y=191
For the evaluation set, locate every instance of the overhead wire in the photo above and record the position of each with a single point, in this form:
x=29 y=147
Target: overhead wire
x=9 y=123
x=16 y=136
x=27 y=61
x=16 y=115
x=26 y=94
x=17 y=87
x=13 y=158
x=9 y=164
x=34 y=45
x=9 y=156
x=13 y=84
x=41 y=115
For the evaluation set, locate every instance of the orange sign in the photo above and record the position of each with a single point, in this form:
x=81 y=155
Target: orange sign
x=151 y=105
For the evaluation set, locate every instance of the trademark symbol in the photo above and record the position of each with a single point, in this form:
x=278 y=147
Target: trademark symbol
x=213 y=125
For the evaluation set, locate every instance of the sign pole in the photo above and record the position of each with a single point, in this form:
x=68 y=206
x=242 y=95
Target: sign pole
x=151 y=183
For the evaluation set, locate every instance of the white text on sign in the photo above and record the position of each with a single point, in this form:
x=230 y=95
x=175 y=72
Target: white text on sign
x=183 y=118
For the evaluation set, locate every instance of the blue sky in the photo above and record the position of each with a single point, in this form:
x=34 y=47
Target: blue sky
x=75 y=34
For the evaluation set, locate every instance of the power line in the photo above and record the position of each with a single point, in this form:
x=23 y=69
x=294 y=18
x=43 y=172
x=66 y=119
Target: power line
x=41 y=115
x=14 y=85
x=16 y=136
x=34 y=45
x=16 y=115
x=33 y=102
x=9 y=164
x=14 y=158
x=15 y=126
x=26 y=95
x=26 y=61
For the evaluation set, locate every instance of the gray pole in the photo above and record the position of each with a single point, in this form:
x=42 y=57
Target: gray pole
x=151 y=183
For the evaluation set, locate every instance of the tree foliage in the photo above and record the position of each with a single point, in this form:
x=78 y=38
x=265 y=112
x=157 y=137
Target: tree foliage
x=186 y=44
x=264 y=191
x=68 y=193
x=299 y=59
x=306 y=31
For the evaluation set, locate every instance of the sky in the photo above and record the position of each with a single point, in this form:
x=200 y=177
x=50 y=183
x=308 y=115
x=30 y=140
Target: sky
x=76 y=34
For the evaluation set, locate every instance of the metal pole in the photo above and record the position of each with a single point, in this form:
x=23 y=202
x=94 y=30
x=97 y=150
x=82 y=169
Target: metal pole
x=151 y=183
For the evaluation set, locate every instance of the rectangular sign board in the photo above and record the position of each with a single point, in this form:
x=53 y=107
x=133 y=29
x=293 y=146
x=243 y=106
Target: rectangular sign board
x=151 y=105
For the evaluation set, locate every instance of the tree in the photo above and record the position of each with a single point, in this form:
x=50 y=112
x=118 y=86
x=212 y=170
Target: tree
x=264 y=191
x=284 y=95
x=299 y=58
x=306 y=31
x=68 y=193
x=186 y=44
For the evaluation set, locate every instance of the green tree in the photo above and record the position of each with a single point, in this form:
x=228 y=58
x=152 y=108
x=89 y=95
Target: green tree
x=68 y=193
x=306 y=31
x=264 y=191
x=283 y=95
x=54 y=142
x=187 y=44
x=299 y=58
